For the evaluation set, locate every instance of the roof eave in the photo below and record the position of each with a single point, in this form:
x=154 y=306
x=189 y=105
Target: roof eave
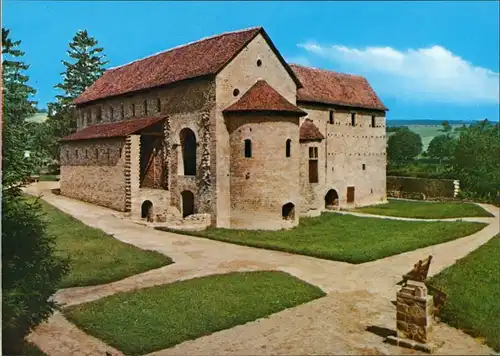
x=338 y=103
x=264 y=111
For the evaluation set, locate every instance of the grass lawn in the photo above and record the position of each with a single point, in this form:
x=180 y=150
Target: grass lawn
x=96 y=258
x=48 y=177
x=30 y=349
x=155 y=318
x=425 y=210
x=347 y=238
x=473 y=288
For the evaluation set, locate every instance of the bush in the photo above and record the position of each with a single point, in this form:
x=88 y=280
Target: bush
x=30 y=271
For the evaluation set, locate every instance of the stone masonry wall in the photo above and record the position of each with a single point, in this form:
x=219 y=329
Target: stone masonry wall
x=94 y=171
x=347 y=149
x=263 y=183
x=312 y=194
x=188 y=104
x=242 y=73
x=414 y=312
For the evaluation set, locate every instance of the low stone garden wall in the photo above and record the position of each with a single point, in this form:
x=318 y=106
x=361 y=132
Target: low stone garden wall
x=421 y=188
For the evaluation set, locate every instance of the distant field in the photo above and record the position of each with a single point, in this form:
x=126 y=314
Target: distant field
x=428 y=132
x=38 y=117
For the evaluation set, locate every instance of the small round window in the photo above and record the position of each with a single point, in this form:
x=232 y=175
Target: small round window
x=236 y=91
x=259 y=62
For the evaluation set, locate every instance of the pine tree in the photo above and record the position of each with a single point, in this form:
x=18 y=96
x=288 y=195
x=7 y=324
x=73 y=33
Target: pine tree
x=86 y=65
x=17 y=106
x=31 y=270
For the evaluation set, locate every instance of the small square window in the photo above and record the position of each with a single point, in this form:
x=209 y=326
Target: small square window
x=145 y=104
x=364 y=166
x=332 y=117
x=122 y=113
x=133 y=110
x=111 y=113
x=353 y=119
x=373 y=120
x=313 y=152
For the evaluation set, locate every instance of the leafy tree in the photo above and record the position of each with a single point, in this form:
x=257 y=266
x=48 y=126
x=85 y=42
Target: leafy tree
x=30 y=268
x=404 y=145
x=85 y=67
x=442 y=147
x=446 y=126
x=477 y=160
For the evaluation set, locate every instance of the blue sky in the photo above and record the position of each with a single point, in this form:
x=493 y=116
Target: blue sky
x=426 y=60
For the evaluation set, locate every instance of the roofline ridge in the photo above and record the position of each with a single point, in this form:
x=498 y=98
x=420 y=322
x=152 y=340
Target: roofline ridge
x=186 y=44
x=328 y=71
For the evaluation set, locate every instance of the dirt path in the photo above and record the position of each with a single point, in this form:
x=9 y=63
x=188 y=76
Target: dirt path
x=358 y=295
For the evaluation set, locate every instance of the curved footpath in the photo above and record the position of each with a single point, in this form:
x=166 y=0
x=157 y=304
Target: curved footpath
x=359 y=296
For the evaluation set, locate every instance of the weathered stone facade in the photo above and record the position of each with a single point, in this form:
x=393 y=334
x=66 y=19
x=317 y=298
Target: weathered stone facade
x=94 y=171
x=201 y=158
x=349 y=156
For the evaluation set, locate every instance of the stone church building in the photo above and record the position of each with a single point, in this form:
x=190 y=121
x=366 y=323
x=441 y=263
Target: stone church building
x=224 y=126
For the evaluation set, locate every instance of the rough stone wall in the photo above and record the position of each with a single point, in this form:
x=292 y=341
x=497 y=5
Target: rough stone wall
x=312 y=194
x=188 y=104
x=94 y=171
x=444 y=188
x=346 y=149
x=414 y=312
x=241 y=74
x=262 y=184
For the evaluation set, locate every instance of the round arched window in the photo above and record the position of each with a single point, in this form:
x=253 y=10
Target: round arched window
x=236 y=91
x=259 y=62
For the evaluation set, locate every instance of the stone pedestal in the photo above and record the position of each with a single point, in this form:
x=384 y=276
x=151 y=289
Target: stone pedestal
x=414 y=308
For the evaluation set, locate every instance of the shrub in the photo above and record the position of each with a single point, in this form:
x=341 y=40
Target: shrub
x=30 y=271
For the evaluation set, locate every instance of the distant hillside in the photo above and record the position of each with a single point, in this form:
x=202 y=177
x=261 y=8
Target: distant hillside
x=38 y=117
x=424 y=122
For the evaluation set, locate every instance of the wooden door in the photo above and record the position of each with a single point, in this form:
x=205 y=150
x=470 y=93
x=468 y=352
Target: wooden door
x=350 y=194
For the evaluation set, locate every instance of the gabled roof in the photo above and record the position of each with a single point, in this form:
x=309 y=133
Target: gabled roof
x=201 y=58
x=261 y=97
x=114 y=129
x=328 y=87
x=309 y=131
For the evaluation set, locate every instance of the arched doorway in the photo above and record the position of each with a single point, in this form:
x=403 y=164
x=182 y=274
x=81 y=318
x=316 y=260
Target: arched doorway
x=147 y=210
x=331 y=199
x=187 y=203
x=288 y=211
x=188 y=145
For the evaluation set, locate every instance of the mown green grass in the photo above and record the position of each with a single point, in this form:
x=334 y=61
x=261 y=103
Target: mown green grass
x=30 y=349
x=95 y=257
x=425 y=210
x=155 y=318
x=345 y=237
x=473 y=288
x=48 y=177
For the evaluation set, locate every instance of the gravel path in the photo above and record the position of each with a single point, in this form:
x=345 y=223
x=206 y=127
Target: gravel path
x=359 y=296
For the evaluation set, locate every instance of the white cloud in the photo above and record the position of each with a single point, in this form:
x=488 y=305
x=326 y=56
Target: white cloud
x=432 y=74
x=302 y=60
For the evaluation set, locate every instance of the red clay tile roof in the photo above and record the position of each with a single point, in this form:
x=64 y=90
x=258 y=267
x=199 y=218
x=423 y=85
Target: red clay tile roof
x=309 y=131
x=204 y=57
x=328 y=87
x=113 y=129
x=262 y=97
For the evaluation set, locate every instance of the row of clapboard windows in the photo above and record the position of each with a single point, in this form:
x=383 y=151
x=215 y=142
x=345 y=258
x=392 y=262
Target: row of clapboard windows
x=86 y=114
x=354 y=119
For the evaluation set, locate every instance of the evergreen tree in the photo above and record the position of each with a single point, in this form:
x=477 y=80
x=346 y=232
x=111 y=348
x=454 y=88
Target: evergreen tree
x=86 y=65
x=30 y=268
x=17 y=106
